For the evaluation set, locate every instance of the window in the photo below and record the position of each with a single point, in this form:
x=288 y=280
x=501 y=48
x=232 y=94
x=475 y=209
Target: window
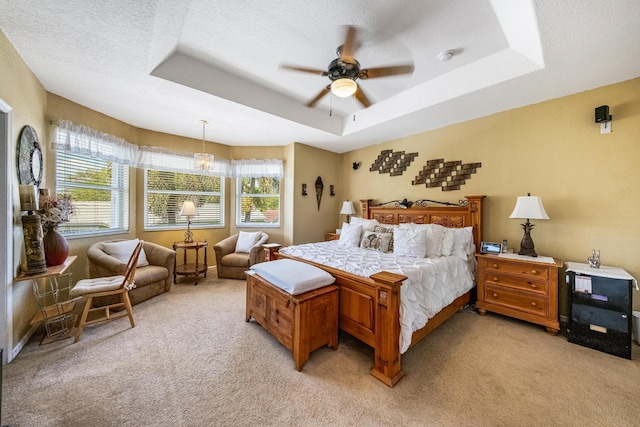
x=258 y=202
x=166 y=191
x=99 y=190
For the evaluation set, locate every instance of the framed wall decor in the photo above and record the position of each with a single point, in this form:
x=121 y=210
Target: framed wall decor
x=29 y=162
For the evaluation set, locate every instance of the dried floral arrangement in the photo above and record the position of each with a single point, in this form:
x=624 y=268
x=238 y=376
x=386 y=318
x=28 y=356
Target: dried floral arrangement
x=54 y=210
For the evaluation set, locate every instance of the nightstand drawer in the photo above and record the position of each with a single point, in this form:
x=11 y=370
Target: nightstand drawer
x=521 y=269
x=528 y=302
x=521 y=283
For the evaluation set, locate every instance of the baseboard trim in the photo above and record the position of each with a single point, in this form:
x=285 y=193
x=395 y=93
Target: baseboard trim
x=23 y=342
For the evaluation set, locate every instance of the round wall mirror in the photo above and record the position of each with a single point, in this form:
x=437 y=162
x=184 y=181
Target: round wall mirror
x=29 y=158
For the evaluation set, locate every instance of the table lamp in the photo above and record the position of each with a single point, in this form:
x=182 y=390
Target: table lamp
x=347 y=209
x=32 y=230
x=188 y=210
x=528 y=207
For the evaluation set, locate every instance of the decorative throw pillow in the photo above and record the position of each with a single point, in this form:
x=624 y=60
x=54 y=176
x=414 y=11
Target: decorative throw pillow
x=410 y=242
x=367 y=224
x=246 y=241
x=387 y=229
x=350 y=235
x=123 y=250
x=377 y=241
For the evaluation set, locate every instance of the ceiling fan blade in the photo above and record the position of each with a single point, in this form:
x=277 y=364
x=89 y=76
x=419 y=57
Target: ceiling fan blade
x=372 y=73
x=319 y=96
x=347 y=48
x=305 y=69
x=360 y=96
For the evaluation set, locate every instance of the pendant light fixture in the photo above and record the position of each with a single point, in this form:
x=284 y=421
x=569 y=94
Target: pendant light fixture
x=203 y=161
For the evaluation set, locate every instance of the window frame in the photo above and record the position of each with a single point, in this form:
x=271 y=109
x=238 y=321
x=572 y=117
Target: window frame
x=120 y=172
x=240 y=195
x=180 y=225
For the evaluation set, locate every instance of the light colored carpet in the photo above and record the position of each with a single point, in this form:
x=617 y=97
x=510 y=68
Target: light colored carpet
x=192 y=360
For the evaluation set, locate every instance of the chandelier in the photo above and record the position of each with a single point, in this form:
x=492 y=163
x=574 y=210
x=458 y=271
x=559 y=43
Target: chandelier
x=203 y=161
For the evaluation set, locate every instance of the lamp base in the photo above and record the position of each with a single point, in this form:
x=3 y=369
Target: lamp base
x=526 y=245
x=188 y=235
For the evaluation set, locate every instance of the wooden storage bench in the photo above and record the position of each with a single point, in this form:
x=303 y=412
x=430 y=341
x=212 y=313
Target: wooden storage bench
x=302 y=322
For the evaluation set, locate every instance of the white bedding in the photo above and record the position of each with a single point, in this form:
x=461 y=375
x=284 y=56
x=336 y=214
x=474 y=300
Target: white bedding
x=432 y=283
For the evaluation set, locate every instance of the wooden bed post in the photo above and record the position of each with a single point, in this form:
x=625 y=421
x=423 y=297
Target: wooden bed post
x=386 y=360
x=365 y=204
x=475 y=214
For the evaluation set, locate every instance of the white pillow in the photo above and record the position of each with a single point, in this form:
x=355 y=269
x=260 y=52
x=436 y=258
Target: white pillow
x=375 y=240
x=246 y=241
x=367 y=224
x=350 y=235
x=123 y=250
x=448 y=241
x=291 y=276
x=410 y=242
x=435 y=235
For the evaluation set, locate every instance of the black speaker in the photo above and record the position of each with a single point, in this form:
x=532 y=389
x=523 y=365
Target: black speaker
x=602 y=114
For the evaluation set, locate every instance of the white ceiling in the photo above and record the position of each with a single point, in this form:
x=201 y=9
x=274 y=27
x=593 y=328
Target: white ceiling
x=164 y=65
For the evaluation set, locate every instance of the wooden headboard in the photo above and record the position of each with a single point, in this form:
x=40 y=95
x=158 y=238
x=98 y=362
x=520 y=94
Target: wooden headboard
x=467 y=214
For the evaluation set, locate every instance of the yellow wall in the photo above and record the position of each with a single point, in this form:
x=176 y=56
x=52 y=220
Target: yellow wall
x=587 y=181
x=310 y=222
x=23 y=92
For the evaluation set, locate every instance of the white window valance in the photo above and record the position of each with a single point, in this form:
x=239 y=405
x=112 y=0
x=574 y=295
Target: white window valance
x=269 y=168
x=85 y=141
x=161 y=159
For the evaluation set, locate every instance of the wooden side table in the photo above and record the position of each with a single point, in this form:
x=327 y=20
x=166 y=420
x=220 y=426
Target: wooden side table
x=519 y=287
x=331 y=236
x=54 y=300
x=270 y=250
x=190 y=269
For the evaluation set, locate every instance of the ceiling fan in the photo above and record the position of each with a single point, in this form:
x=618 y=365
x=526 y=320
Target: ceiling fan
x=345 y=70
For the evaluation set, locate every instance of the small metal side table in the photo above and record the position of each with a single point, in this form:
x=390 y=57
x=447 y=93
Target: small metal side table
x=190 y=269
x=52 y=291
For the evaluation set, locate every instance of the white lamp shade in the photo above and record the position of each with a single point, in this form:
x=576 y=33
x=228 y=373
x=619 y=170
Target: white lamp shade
x=347 y=208
x=529 y=207
x=344 y=87
x=188 y=209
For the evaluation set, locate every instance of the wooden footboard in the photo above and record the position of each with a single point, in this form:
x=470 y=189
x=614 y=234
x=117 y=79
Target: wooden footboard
x=370 y=311
x=370 y=307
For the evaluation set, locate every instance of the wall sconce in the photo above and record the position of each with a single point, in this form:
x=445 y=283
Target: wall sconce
x=332 y=190
x=356 y=165
x=304 y=189
x=604 y=118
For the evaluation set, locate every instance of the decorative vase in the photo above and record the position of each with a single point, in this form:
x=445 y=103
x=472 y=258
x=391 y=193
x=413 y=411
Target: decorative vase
x=56 y=247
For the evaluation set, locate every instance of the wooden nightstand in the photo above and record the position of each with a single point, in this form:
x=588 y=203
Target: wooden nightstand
x=331 y=236
x=519 y=288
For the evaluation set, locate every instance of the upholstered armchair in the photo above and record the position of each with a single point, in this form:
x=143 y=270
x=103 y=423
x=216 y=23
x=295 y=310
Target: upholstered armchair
x=153 y=276
x=236 y=253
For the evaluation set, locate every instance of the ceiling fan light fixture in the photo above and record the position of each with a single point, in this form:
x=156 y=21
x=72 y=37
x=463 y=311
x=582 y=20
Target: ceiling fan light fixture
x=344 y=87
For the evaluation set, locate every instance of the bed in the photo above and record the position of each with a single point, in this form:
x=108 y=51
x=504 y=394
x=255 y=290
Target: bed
x=369 y=307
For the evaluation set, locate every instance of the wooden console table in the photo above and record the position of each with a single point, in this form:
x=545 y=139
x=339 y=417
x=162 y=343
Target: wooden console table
x=190 y=269
x=56 y=305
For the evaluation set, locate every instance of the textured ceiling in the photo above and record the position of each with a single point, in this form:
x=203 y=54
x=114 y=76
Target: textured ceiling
x=165 y=65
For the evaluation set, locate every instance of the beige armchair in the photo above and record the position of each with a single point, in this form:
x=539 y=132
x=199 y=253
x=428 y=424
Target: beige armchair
x=231 y=264
x=150 y=280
